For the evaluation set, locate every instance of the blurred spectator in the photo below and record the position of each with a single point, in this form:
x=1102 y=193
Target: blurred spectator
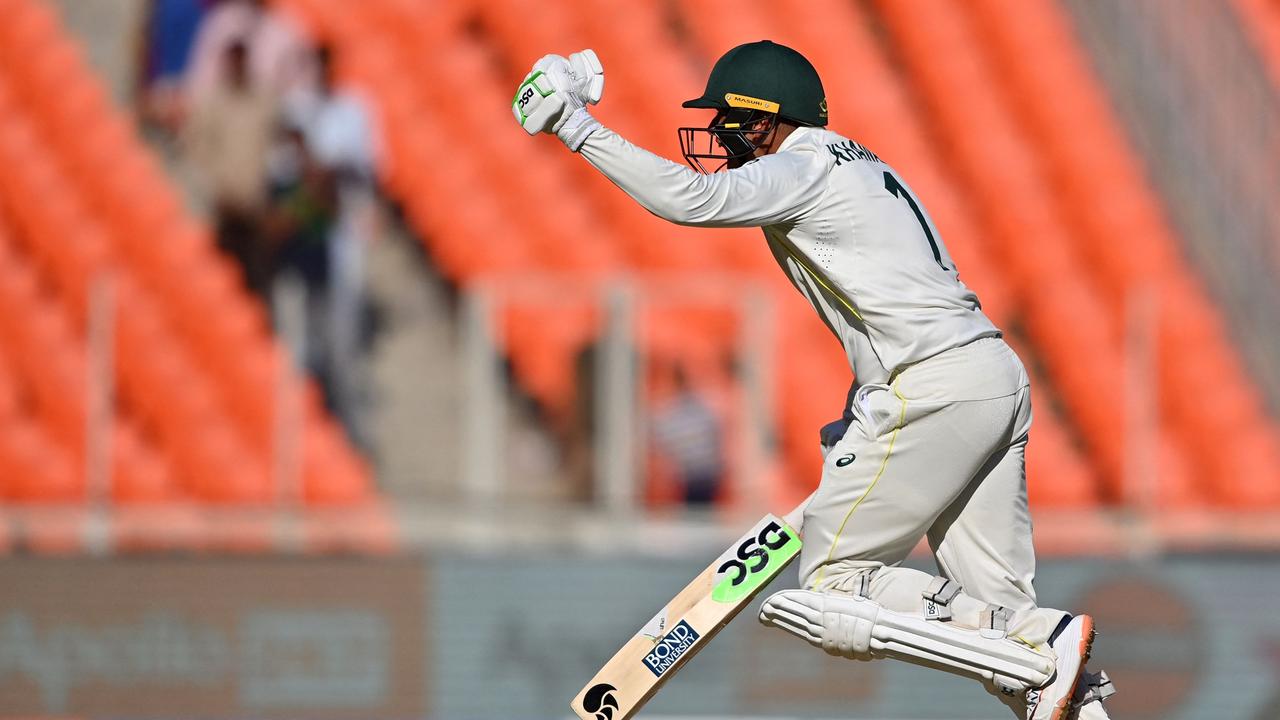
x=228 y=139
x=336 y=121
x=279 y=58
x=687 y=435
x=299 y=221
x=171 y=31
x=339 y=135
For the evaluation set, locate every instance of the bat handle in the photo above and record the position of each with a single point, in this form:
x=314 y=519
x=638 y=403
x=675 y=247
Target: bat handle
x=795 y=518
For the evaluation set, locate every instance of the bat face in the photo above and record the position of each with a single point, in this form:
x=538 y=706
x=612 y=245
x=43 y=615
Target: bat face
x=688 y=622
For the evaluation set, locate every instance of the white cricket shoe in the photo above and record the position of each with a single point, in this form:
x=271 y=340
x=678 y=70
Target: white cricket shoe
x=1072 y=644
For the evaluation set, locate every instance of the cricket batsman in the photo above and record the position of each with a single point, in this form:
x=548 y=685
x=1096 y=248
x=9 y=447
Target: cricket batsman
x=933 y=438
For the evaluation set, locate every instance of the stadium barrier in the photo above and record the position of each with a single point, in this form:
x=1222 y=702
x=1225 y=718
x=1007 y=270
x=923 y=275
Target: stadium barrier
x=466 y=635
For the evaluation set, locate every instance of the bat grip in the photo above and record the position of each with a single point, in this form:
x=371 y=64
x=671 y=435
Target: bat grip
x=795 y=518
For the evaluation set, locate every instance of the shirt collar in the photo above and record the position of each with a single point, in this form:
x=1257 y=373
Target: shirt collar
x=792 y=138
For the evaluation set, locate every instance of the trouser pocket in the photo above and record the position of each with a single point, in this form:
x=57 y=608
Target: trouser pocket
x=877 y=410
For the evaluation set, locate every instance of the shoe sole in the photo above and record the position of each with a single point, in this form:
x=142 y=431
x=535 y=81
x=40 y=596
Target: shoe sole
x=1060 y=710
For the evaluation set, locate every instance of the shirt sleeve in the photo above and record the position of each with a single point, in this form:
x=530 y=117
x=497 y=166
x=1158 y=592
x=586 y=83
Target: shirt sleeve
x=776 y=188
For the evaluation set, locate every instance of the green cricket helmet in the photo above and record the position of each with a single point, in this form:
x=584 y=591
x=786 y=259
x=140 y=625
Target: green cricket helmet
x=751 y=87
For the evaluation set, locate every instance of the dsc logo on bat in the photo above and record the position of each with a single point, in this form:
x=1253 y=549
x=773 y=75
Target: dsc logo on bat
x=670 y=648
x=758 y=557
x=756 y=551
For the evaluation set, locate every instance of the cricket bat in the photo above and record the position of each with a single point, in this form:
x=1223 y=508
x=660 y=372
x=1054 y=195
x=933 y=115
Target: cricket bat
x=689 y=621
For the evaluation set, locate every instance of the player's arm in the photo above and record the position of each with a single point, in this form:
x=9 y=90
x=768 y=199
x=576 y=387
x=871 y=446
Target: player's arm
x=772 y=189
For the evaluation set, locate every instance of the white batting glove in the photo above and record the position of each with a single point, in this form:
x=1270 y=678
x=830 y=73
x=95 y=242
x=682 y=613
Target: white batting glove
x=553 y=96
x=537 y=105
x=587 y=75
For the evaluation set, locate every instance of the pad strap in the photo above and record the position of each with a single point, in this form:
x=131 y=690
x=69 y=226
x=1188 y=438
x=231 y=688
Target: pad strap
x=993 y=623
x=857 y=585
x=938 y=597
x=864 y=583
x=1097 y=687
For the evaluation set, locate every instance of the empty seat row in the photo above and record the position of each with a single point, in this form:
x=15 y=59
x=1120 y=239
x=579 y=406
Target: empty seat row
x=1128 y=246
x=197 y=374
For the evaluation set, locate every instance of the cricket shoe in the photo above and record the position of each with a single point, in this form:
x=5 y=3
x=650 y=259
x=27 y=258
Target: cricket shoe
x=1072 y=642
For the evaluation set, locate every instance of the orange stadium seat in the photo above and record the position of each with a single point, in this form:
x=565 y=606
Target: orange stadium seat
x=11 y=402
x=187 y=291
x=735 y=24
x=55 y=253
x=1119 y=227
x=140 y=474
x=38 y=470
x=84 y=196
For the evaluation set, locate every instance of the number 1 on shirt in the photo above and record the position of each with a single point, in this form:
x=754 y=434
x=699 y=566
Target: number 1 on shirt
x=895 y=188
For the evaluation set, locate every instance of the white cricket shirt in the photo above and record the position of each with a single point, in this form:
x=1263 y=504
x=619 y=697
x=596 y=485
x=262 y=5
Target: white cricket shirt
x=849 y=233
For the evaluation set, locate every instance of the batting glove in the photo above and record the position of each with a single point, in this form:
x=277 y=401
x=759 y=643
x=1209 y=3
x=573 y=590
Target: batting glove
x=553 y=97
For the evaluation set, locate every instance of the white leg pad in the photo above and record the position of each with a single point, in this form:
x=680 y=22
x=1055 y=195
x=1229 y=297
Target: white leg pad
x=858 y=628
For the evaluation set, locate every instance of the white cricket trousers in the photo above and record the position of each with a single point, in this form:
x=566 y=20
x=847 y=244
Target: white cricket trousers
x=940 y=451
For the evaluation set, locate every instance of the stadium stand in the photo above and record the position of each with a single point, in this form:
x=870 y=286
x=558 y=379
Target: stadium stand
x=1029 y=177
x=644 y=245
x=1214 y=160
x=196 y=370
x=1103 y=196
x=83 y=197
x=41 y=467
